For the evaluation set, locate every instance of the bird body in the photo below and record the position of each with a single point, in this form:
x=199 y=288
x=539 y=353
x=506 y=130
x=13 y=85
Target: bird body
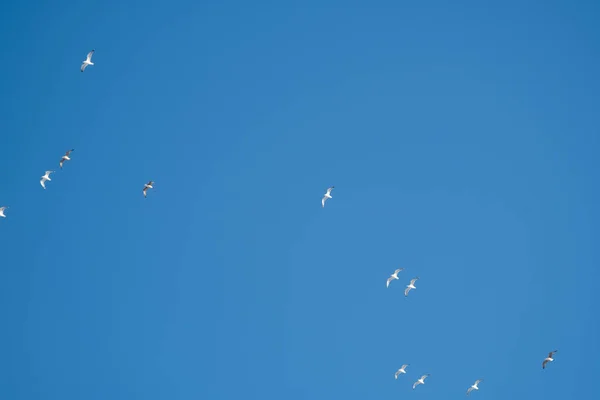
x=421 y=381
x=45 y=178
x=410 y=286
x=327 y=196
x=394 y=276
x=548 y=359
x=2 y=211
x=87 y=61
x=402 y=370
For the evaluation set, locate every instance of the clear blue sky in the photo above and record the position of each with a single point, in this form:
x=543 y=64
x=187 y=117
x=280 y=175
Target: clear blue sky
x=462 y=139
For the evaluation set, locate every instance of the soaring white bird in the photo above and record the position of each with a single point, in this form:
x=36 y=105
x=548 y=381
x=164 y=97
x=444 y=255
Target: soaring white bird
x=65 y=158
x=548 y=359
x=45 y=178
x=327 y=195
x=401 y=371
x=147 y=186
x=87 y=61
x=393 y=276
x=421 y=381
x=2 y=211
x=410 y=286
x=474 y=386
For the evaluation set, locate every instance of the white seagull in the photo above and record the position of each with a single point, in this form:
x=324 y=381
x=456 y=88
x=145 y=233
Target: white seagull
x=421 y=381
x=400 y=371
x=327 y=195
x=393 y=276
x=2 y=211
x=410 y=286
x=87 y=61
x=548 y=359
x=474 y=386
x=147 y=186
x=45 y=178
x=65 y=158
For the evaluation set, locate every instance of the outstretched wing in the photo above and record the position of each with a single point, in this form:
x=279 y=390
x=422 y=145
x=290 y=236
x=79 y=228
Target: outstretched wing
x=477 y=381
x=544 y=364
x=83 y=66
x=396 y=374
x=469 y=390
x=388 y=281
x=329 y=190
x=90 y=54
x=406 y=291
x=412 y=281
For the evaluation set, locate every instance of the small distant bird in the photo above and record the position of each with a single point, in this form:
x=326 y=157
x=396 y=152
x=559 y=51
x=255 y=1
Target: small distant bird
x=327 y=196
x=421 y=381
x=401 y=371
x=65 y=158
x=147 y=186
x=548 y=359
x=2 y=211
x=394 y=276
x=45 y=178
x=87 y=61
x=410 y=286
x=474 y=386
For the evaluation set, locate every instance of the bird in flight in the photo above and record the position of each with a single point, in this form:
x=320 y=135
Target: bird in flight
x=411 y=285
x=327 y=195
x=2 y=211
x=87 y=61
x=65 y=158
x=402 y=370
x=147 y=186
x=393 y=276
x=421 y=381
x=548 y=359
x=474 y=386
x=45 y=178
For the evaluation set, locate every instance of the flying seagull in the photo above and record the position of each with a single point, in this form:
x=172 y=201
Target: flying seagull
x=474 y=386
x=327 y=195
x=147 y=186
x=401 y=371
x=65 y=158
x=45 y=178
x=548 y=359
x=421 y=381
x=87 y=61
x=410 y=286
x=2 y=211
x=393 y=276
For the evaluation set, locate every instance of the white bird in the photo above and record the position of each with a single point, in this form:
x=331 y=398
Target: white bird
x=147 y=186
x=548 y=359
x=401 y=371
x=327 y=195
x=410 y=286
x=65 y=158
x=87 y=61
x=45 y=178
x=2 y=211
x=474 y=386
x=393 y=276
x=421 y=381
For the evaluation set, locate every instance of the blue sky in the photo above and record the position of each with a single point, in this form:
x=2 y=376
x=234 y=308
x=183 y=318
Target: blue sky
x=462 y=141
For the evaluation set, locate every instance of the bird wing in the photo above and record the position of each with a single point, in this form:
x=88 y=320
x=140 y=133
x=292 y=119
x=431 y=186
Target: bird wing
x=412 y=281
x=42 y=183
x=469 y=390
x=83 y=66
x=544 y=364
x=477 y=381
x=415 y=384
x=404 y=366
x=151 y=183
x=89 y=56
x=399 y=270
x=551 y=353
x=49 y=172
x=61 y=162
x=68 y=152
x=396 y=374
x=329 y=190
x=2 y=209
x=406 y=291
x=424 y=376
x=323 y=201
x=388 y=281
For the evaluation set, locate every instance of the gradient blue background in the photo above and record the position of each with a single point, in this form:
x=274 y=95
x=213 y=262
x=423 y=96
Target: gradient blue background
x=462 y=140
